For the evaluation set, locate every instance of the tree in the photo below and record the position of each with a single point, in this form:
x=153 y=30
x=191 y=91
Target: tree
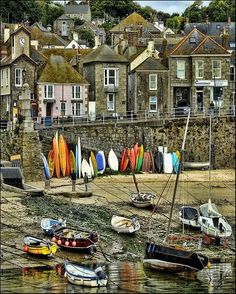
x=194 y=12
x=219 y=10
x=17 y=11
x=174 y=23
x=50 y=11
x=87 y=35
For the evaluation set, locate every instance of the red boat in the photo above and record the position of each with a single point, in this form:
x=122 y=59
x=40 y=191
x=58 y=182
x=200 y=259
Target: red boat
x=75 y=239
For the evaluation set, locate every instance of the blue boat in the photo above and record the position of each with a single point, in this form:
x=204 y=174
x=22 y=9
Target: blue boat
x=49 y=225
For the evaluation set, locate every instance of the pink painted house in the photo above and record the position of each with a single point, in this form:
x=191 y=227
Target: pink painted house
x=62 y=91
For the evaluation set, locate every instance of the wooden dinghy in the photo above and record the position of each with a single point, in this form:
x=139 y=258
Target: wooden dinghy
x=84 y=276
x=124 y=225
x=142 y=199
x=75 y=239
x=39 y=247
x=49 y=225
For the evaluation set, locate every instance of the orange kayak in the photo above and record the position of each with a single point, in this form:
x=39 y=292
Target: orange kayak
x=72 y=162
x=56 y=157
x=125 y=159
x=94 y=163
x=132 y=159
x=62 y=155
x=51 y=162
x=67 y=159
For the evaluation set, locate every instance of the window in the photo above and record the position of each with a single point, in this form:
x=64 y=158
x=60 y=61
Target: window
x=232 y=73
x=199 y=69
x=180 y=69
x=18 y=77
x=76 y=92
x=153 y=104
x=111 y=102
x=152 y=82
x=232 y=44
x=216 y=69
x=192 y=40
x=63 y=108
x=111 y=77
x=49 y=91
x=77 y=109
x=2 y=78
x=6 y=77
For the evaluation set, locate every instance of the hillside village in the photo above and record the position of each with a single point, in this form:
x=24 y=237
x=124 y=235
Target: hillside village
x=148 y=69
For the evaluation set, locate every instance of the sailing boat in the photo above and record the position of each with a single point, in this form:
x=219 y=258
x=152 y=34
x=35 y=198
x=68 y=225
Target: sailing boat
x=175 y=259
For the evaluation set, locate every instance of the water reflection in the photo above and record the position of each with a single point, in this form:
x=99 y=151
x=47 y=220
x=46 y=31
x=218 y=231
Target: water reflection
x=124 y=277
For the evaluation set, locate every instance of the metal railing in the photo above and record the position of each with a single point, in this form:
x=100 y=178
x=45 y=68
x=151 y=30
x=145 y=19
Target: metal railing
x=131 y=116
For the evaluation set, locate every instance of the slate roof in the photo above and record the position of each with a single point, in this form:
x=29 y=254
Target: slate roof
x=64 y=16
x=104 y=54
x=134 y=19
x=68 y=53
x=58 y=70
x=76 y=9
x=202 y=45
x=8 y=60
x=210 y=29
x=40 y=26
x=151 y=64
x=47 y=38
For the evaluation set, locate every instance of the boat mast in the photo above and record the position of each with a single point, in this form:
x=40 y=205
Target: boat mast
x=210 y=159
x=177 y=177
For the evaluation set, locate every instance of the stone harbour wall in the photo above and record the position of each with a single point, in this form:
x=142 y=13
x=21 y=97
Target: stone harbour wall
x=152 y=134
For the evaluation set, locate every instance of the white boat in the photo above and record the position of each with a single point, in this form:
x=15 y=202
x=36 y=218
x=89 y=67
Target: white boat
x=83 y=276
x=196 y=165
x=142 y=199
x=113 y=161
x=189 y=216
x=212 y=222
x=124 y=225
x=85 y=168
x=48 y=225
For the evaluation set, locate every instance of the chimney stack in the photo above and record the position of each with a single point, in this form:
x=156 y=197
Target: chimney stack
x=164 y=54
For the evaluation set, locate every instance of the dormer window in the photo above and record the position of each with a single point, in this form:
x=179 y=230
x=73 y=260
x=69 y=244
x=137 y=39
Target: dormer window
x=192 y=40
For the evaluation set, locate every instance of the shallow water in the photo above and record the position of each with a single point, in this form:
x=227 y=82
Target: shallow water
x=124 y=277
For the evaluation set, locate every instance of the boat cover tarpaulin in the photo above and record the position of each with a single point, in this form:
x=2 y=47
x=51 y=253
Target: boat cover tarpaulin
x=189 y=213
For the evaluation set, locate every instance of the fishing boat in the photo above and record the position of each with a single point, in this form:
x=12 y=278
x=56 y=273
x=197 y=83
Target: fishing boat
x=189 y=216
x=124 y=225
x=173 y=258
x=140 y=199
x=75 y=239
x=49 y=225
x=39 y=247
x=213 y=223
x=84 y=276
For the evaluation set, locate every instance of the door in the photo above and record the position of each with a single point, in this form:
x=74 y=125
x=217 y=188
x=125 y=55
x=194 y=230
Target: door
x=200 y=99
x=49 y=109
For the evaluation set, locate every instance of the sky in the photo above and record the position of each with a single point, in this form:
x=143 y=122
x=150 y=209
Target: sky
x=170 y=6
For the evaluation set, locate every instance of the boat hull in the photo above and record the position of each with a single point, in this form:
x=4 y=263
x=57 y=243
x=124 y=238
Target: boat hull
x=173 y=259
x=124 y=225
x=86 y=282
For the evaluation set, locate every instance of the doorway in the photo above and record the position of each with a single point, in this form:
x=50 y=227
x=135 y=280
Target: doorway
x=49 y=109
x=200 y=99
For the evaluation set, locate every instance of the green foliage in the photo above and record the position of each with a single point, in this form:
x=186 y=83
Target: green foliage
x=86 y=34
x=17 y=11
x=78 y=21
x=175 y=23
x=219 y=10
x=107 y=27
x=194 y=12
x=50 y=12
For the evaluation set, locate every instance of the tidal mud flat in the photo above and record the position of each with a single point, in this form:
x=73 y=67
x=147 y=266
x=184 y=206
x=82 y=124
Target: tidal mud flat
x=21 y=214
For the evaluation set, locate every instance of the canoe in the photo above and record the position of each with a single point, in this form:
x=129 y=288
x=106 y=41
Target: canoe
x=113 y=160
x=48 y=225
x=38 y=247
x=94 y=162
x=125 y=159
x=72 y=162
x=51 y=162
x=101 y=162
x=146 y=166
x=85 y=168
x=124 y=225
x=62 y=155
x=75 y=239
x=141 y=199
x=76 y=161
x=158 y=161
x=132 y=159
x=68 y=172
x=175 y=162
x=91 y=166
x=56 y=157
x=79 y=158
x=167 y=163
x=83 y=276
x=46 y=167
x=140 y=158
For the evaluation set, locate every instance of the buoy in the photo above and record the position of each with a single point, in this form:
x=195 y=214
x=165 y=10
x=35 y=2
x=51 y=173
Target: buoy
x=67 y=243
x=25 y=248
x=74 y=243
x=54 y=239
x=59 y=242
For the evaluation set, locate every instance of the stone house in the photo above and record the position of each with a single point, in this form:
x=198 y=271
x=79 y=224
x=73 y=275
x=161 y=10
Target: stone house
x=106 y=72
x=17 y=68
x=63 y=26
x=199 y=73
x=74 y=10
x=61 y=90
